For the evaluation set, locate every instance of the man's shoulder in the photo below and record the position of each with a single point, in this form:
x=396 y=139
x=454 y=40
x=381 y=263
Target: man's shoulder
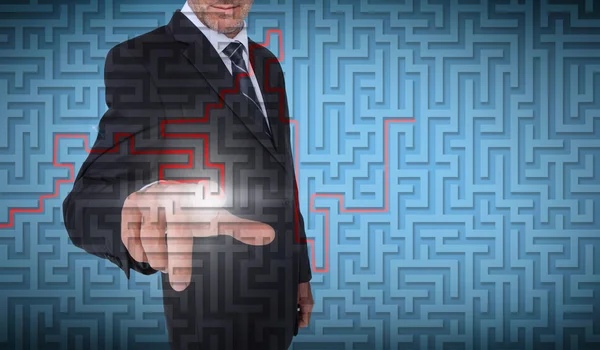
x=262 y=50
x=143 y=45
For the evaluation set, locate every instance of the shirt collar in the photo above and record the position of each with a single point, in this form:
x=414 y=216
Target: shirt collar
x=218 y=40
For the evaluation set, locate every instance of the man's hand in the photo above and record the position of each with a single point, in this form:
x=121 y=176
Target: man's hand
x=306 y=302
x=159 y=223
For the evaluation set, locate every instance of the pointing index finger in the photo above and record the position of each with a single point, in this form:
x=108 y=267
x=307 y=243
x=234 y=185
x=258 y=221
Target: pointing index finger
x=179 y=252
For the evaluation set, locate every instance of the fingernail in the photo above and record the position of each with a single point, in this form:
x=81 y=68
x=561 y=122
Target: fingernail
x=179 y=287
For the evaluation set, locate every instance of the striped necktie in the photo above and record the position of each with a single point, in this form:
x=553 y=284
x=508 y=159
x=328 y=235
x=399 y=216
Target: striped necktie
x=238 y=67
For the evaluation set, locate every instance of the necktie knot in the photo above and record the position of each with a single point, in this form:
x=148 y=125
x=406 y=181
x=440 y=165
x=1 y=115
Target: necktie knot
x=234 y=52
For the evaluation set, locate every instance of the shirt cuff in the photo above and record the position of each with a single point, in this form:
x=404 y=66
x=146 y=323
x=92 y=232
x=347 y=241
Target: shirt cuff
x=148 y=185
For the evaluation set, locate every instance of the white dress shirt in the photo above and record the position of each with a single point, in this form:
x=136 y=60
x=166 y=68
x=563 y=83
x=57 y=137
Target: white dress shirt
x=220 y=41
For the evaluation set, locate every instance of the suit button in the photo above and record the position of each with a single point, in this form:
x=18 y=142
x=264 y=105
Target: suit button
x=286 y=202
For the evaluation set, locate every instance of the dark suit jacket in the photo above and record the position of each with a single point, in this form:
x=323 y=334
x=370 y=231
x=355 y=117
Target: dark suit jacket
x=174 y=113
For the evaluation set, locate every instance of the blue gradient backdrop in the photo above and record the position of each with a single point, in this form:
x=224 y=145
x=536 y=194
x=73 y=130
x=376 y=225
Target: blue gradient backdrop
x=477 y=226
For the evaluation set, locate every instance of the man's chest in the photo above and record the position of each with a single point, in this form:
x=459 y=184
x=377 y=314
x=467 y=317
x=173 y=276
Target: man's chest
x=207 y=115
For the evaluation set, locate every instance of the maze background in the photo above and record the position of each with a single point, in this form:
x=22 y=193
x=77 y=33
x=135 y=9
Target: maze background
x=477 y=226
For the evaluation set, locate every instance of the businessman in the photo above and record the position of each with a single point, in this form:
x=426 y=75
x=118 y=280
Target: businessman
x=192 y=175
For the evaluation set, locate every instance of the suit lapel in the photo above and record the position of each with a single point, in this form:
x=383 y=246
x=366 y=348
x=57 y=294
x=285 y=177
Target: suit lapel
x=202 y=55
x=259 y=63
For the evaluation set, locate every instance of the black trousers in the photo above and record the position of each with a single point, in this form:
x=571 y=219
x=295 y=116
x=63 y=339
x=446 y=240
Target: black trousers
x=239 y=299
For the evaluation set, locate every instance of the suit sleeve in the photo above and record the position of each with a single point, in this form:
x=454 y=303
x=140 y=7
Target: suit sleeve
x=122 y=160
x=305 y=269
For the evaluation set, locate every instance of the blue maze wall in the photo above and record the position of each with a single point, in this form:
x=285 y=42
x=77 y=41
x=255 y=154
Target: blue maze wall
x=474 y=226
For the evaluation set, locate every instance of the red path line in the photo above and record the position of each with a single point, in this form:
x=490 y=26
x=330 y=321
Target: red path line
x=280 y=57
x=341 y=197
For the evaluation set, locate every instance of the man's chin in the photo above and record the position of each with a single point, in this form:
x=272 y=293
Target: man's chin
x=229 y=28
